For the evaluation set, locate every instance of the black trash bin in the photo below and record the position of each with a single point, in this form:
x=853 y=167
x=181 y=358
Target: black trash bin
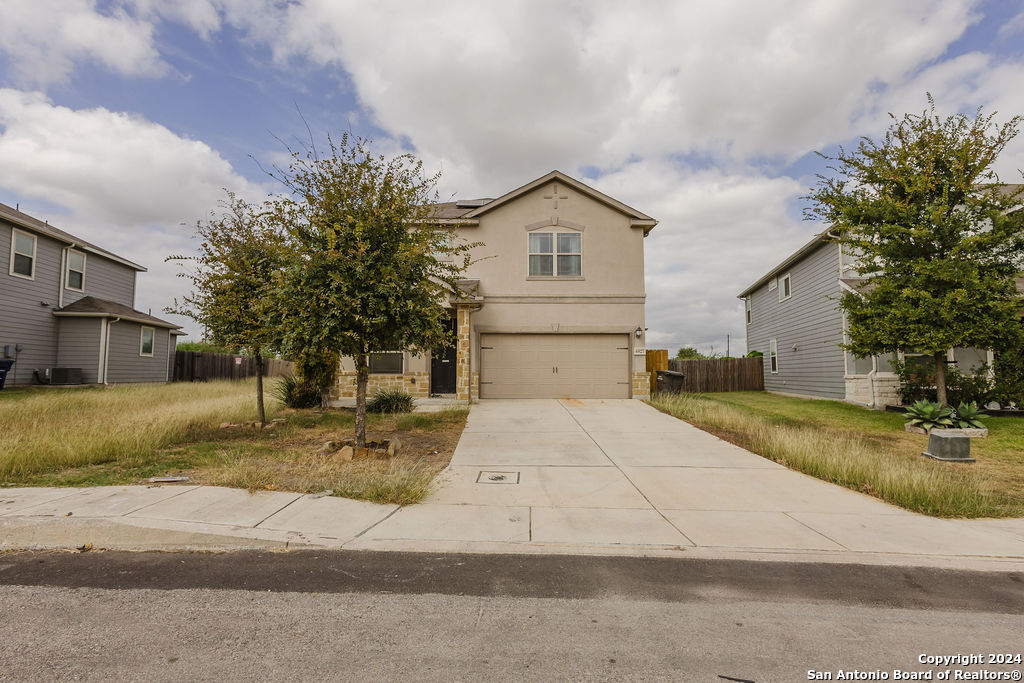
x=5 y=367
x=670 y=382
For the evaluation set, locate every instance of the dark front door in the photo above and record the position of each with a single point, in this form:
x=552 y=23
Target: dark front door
x=442 y=368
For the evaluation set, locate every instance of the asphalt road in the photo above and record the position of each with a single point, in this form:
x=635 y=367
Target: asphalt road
x=385 y=616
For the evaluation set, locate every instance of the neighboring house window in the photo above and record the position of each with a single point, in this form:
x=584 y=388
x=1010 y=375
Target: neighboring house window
x=75 y=277
x=389 y=363
x=23 y=254
x=773 y=355
x=146 y=341
x=748 y=309
x=556 y=254
x=785 y=287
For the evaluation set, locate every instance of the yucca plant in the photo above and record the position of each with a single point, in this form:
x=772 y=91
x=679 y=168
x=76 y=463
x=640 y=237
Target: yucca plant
x=928 y=415
x=968 y=415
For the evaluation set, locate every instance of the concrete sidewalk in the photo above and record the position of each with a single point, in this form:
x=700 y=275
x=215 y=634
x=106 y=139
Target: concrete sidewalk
x=564 y=476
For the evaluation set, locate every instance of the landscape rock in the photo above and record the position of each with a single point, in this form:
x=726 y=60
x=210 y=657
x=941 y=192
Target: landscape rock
x=345 y=453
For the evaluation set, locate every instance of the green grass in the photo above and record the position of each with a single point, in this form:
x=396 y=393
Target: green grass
x=124 y=435
x=866 y=450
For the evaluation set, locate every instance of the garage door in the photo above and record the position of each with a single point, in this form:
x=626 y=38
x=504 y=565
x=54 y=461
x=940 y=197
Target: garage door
x=554 y=366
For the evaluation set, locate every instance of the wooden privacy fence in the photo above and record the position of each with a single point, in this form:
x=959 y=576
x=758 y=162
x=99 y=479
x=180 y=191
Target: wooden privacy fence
x=657 y=359
x=198 y=366
x=716 y=374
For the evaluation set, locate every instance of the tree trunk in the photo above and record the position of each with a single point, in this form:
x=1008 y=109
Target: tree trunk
x=260 y=411
x=362 y=376
x=940 y=377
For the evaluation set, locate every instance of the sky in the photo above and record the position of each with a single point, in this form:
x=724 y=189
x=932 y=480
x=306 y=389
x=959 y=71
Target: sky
x=123 y=121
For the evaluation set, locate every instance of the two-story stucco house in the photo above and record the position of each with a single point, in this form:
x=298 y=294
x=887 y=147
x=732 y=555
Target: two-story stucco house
x=67 y=311
x=793 y=318
x=554 y=305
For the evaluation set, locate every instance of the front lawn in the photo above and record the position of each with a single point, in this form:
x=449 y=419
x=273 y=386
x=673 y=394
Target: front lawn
x=124 y=435
x=866 y=450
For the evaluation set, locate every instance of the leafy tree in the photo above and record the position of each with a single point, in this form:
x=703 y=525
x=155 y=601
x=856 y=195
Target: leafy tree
x=931 y=224
x=688 y=353
x=368 y=272
x=235 y=271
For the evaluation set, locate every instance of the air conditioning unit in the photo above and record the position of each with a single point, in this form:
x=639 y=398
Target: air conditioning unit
x=66 y=375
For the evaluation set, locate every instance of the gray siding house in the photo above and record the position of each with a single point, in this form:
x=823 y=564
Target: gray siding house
x=67 y=311
x=793 y=318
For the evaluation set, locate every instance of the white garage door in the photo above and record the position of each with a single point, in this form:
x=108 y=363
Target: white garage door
x=554 y=366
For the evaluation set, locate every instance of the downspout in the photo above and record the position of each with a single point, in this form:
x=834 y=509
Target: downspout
x=871 y=382
x=106 y=352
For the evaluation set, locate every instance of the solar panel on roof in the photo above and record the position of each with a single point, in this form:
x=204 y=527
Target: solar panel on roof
x=471 y=203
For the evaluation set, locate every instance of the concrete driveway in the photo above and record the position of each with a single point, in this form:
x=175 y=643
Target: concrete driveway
x=618 y=472
x=569 y=476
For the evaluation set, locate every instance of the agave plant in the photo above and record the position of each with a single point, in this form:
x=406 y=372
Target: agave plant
x=968 y=415
x=928 y=415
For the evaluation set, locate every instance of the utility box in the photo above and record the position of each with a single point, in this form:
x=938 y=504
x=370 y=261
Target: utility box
x=66 y=376
x=948 y=447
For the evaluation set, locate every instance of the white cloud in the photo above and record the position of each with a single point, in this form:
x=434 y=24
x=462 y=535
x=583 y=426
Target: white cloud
x=513 y=89
x=127 y=183
x=46 y=39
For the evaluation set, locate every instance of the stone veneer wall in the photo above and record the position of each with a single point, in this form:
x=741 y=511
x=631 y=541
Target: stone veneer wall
x=886 y=390
x=462 y=374
x=415 y=383
x=641 y=385
x=474 y=386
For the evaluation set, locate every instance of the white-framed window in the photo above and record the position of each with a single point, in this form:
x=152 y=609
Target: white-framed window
x=74 y=277
x=556 y=254
x=773 y=284
x=386 y=363
x=785 y=287
x=773 y=355
x=146 y=335
x=747 y=306
x=23 y=254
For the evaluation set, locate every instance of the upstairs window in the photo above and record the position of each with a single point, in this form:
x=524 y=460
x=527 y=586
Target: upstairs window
x=556 y=254
x=785 y=287
x=75 y=276
x=747 y=306
x=386 y=363
x=23 y=255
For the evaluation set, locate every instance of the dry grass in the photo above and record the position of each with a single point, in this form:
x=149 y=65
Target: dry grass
x=293 y=461
x=850 y=446
x=55 y=429
x=123 y=435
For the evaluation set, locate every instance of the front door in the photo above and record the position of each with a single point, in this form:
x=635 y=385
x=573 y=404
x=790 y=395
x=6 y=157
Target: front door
x=442 y=367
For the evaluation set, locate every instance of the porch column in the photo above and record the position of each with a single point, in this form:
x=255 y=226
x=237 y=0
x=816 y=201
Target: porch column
x=462 y=377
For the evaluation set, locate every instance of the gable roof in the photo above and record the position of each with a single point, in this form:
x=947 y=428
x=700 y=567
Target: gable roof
x=637 y=218
x=25 y=221
x=92 y=307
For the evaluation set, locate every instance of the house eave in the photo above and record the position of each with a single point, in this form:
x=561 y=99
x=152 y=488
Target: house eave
x=819 y=239
x=130 y=318
x=14 y=216
x=576 y=185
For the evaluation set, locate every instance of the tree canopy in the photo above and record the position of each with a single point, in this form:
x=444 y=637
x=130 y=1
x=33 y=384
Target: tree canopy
x=935 y=233
x=233 y=276
x=368 y=271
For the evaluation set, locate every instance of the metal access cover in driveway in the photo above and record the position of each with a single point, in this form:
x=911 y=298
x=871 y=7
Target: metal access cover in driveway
x=554 y=366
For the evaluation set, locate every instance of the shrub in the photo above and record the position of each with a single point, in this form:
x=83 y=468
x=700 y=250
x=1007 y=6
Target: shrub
x=1009 y=368
x=917 y=382
x=294 y=394
x=390 y=401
